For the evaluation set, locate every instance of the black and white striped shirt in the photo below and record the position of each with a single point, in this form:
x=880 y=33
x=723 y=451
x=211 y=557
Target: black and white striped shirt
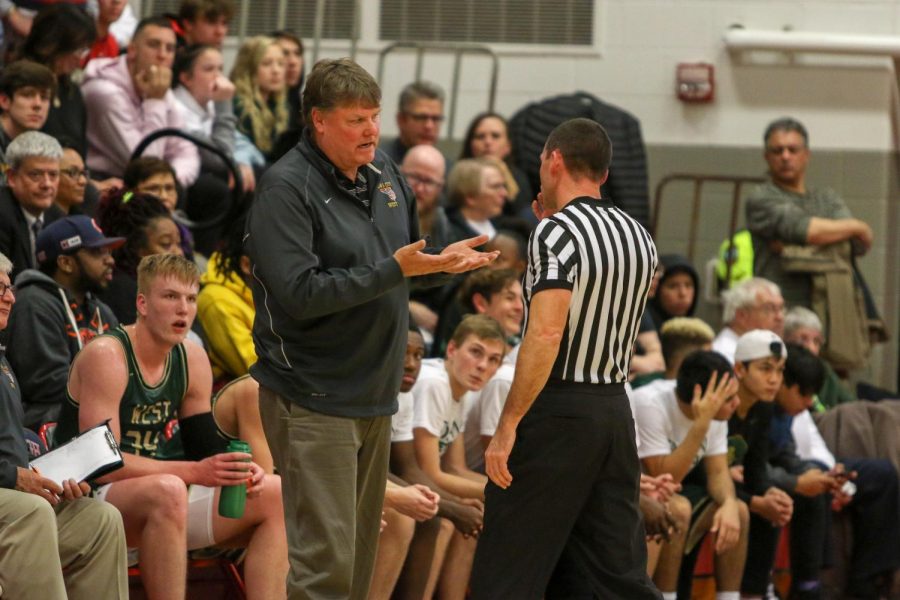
x=607 y=259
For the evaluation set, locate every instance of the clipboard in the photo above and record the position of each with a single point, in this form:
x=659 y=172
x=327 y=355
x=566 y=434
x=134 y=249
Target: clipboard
x=91 y=454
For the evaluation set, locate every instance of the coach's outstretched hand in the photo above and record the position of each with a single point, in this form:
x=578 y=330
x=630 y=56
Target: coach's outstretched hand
x=472 y=259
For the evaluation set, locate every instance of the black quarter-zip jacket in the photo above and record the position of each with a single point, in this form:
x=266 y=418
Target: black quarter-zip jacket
x=331 y=301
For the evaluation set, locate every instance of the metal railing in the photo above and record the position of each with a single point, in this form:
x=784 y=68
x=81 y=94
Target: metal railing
x=737 y=182
x=458 y=49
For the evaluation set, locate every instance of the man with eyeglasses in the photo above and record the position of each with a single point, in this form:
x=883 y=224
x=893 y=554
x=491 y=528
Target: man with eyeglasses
x=419 y=119
x=785 y=211
x=424 y=169
x=32 y=181
x=25 y=91
x=58 y=312
x=755 y=303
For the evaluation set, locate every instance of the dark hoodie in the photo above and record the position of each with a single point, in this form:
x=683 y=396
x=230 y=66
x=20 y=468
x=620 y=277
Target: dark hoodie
x=672 y=264
x=43 y=340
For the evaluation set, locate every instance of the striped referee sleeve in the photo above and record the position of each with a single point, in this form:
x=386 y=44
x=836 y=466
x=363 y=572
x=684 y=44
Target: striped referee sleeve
x=553 y=258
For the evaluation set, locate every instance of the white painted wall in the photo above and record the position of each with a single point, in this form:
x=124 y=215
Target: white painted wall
x=845 y=103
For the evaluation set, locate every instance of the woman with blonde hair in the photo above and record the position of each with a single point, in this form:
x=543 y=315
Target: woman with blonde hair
x=260 y=99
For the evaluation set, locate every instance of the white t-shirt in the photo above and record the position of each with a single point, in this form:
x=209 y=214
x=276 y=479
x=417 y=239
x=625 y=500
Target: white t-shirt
x=402 y=421
x=726 y=343
x=482 y=413
x=663 y=426
x=434 y=408
x=808 y=440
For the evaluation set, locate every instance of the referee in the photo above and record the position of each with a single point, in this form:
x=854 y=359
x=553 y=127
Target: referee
x=561 y=510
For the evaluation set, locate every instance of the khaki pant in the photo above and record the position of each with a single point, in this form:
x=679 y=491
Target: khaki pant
x=77 y=548
x=333 y=473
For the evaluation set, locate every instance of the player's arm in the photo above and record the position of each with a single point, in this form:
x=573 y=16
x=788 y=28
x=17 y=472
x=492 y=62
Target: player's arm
x=680 y=461
x=727 y=520
x=454 y=462
x=718 y=477
x=428 y=456
x=467 y=514
x=197 y=398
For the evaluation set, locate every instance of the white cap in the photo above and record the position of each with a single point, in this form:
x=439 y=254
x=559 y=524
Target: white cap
x=759 y=343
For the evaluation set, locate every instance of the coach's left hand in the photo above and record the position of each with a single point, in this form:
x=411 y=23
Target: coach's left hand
x=473 y=259
x=497 y=455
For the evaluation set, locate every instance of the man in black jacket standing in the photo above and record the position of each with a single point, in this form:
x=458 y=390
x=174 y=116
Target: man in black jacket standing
x=332 y=237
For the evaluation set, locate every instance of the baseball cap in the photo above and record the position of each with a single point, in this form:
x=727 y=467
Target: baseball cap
x=759 y=343
x=68 y=235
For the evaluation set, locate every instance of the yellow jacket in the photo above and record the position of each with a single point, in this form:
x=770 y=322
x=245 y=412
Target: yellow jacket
x=225 y=309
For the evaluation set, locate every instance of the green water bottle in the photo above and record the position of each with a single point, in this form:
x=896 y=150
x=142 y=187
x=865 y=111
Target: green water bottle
x=233 y=498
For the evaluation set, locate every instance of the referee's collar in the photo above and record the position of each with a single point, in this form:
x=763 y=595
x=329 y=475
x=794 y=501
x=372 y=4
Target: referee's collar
x=601 y=202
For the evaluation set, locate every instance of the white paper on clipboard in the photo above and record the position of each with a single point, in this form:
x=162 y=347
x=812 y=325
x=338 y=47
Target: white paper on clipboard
x=92 y=454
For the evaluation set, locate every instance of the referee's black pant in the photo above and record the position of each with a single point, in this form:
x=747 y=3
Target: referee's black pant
x=569 y=526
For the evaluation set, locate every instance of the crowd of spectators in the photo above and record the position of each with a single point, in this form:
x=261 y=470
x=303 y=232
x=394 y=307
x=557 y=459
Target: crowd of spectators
x=726 y=423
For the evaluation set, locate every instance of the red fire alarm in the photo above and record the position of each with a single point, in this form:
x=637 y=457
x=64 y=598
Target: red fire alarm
x=695 y=82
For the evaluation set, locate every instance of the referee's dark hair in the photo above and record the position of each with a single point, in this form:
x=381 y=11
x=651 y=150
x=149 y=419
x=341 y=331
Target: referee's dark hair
x=585 y=147
x=804 y=369
x=698 y=369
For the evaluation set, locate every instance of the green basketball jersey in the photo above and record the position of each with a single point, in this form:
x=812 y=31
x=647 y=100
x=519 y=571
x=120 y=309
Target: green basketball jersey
x=147 y=414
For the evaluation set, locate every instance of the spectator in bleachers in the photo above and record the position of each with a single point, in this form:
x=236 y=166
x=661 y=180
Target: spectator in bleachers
x=26 y=88
x=758 y=364
x=476 y=193
x=423 y=169
x=676 y=293
x=59 y=39
x=32 y=180
x=260 y=100
x=106 y=45
x=755 y=303
x=511 y=246
x=420 y=113
x=488 y=135
x=129 y=98
x=140 y=377
x=45 y=527
x=203 y=22
x=73 y=181
x=785 y=211
x=154 y=176
x=872 y=508
x=294 y=74
x=803 y=327
x=473 y=355
x=225 y=307
x=682 y=421
x=59 y=312
x=204 y=100
x=148 y=228
x=292 y=46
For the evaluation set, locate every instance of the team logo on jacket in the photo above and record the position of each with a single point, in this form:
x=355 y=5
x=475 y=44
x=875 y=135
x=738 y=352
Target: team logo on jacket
x=388 y=190
x=8 y=373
